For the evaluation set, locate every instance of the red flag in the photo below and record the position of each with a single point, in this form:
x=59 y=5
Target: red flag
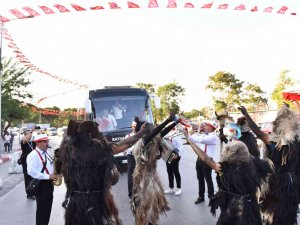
x=292 y=94
x=132 y=5
x=77 y=7
x=61 y=8
x=97 y=7
x=17 y=13
x=223 y=6
x=113 y=5
x=31 y=11
x=3 y=19
x=189 y=5
x=152 y=4
x=282 y=10
x=268 y=9
x=254 y=9
x=46 y=9
x=172 y=4
x=240 y=7
x=207 y=6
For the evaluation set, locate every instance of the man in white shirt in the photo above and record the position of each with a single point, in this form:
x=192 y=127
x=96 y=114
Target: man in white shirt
x=40 y=166
x=209 y=140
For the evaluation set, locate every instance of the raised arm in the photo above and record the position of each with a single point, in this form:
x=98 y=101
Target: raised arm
x=253 y=126
x=297 y=105
x=123 y=145
x=205 y=158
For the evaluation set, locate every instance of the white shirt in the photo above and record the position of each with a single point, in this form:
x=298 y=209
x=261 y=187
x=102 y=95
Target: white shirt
x=210 y=140
x=35 y=165
x=177 y=141
x=118 y=112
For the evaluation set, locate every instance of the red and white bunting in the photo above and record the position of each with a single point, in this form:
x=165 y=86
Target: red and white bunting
x=244 y=5
x=27 y=63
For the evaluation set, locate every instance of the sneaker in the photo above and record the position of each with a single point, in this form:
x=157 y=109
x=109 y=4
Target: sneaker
x=199 y=200
x=169 y=191
x=178 y=191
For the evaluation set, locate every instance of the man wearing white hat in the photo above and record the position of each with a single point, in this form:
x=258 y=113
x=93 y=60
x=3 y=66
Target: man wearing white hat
x=40 y=166
x=209 y=140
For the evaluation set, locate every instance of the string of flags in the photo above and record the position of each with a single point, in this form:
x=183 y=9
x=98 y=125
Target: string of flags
x=53 y=112
x=39 y=10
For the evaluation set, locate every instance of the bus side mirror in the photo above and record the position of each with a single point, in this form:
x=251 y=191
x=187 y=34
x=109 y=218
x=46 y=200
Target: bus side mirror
x=88 y=106
x=156 y=100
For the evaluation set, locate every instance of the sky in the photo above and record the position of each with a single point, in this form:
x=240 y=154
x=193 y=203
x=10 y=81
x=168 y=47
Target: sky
x=158 y=46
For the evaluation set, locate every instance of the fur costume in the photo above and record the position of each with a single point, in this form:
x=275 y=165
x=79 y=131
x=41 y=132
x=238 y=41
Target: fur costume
x=239 y=180
x=88 y=167
x=280 y=204
x=148 y=196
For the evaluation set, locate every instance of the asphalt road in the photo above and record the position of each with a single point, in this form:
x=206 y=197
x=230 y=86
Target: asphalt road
x=15 y=209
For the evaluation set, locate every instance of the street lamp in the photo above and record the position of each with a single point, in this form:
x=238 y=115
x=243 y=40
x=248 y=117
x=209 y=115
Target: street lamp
x=1 y=38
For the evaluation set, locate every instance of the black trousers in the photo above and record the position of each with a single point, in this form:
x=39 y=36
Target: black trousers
x=204 y=174
x=173 y=170
x=130 y=170
x=44 y=200
x=27 y=178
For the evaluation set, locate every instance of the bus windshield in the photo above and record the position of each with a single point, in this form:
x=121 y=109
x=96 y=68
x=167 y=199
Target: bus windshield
x=117 y=112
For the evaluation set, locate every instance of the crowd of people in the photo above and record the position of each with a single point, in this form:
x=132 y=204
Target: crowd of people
x=251 y=190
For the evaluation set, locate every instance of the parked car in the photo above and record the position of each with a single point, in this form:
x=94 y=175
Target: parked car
x=52 y=131
x=61 y=131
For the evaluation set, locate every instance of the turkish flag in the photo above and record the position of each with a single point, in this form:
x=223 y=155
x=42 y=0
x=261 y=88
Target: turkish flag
x=132 y=5
x=114 y=5
x=17 y=13
x=172 y=4
x=61 y=8
x=207 y=6
x=3 y=19
x=77 y=7
x=223 y=6
x=254 y=9
x=152 y=4
x=97 y=7
x=240 y=7
x=31 y=11
x=189 y=5
x=282 y=10
x=292 y=94
x=268 y=9
x=46 y=9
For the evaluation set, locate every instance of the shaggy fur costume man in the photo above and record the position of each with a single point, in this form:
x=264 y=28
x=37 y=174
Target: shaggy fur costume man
x=148 y=196
x=239 y=177
x=88 y=166
x=281 y=202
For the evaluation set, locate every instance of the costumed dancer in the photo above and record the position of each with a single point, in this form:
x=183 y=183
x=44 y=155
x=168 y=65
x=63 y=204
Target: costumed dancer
x=239 y=176
x=283 y=146
x=148 y=195
x=89 y=170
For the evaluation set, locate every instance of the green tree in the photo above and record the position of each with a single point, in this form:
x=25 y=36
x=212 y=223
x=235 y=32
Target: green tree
x=253 y=97
x=150 y=88
x=227 y=89
x=284 y=81
x=14 y=92
x=194 y=113
x=170 y=97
